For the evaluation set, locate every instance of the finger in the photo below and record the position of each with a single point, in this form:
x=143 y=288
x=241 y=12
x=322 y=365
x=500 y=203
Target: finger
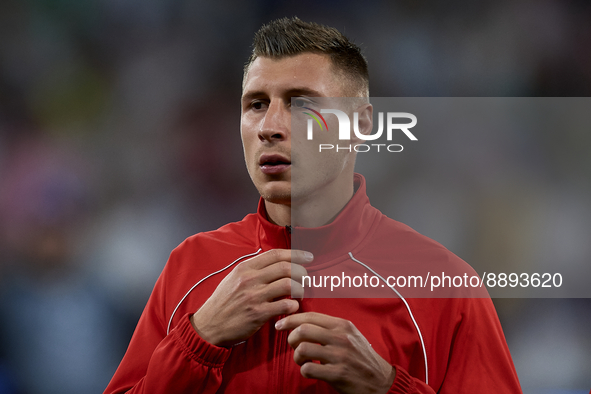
x=327 y=372
x=301 y=256
x=267 y=258
x=307 y=352
x=284 y=287
x=282 y=269
x=297 y=290
x=297 y=272
x=275 y=255
x=318 y=319
x=275 y=271
x=284 y=306
x=309 y=333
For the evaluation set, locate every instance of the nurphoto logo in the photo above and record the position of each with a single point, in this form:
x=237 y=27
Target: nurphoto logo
x=345 y=130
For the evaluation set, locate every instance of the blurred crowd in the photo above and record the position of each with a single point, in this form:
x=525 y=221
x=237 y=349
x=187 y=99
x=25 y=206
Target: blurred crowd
x=119 y=137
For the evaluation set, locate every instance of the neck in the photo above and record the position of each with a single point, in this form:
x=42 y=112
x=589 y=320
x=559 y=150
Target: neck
x=312 y=211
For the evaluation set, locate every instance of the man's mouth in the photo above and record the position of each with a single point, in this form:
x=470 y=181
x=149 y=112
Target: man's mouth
x=274 y=164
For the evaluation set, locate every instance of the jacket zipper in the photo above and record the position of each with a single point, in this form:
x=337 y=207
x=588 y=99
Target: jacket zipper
x=281 y=359
x=282 y=345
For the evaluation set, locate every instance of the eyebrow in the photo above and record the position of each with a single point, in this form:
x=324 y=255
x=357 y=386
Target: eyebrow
x=301 y=91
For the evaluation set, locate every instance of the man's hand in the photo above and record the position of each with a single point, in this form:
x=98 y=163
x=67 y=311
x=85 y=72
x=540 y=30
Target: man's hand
x=251 y=295
x=346 y=359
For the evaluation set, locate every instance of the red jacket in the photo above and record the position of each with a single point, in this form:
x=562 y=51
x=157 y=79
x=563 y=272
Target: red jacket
x=457 y=342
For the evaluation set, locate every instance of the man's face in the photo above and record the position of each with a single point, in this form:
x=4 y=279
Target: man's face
x=272 y=155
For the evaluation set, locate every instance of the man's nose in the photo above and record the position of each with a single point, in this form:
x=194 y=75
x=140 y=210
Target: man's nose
x=277 y=123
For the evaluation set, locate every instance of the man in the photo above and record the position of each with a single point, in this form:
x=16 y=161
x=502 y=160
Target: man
x=231 y=311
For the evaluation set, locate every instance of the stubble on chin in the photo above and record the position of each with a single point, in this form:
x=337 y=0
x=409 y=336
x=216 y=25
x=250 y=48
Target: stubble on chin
x=282 y=197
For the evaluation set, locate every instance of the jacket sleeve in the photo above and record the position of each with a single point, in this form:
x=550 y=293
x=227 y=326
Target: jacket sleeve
x=479 y=359
x=404 y=383
x=180 y=362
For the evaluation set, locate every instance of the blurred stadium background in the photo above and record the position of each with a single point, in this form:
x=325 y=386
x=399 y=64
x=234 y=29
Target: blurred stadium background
x=119 y=137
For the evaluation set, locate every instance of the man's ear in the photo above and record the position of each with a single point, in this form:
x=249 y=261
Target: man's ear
x=365 y=121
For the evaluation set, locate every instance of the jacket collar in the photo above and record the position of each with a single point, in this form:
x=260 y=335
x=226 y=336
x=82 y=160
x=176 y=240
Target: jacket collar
x=329 y=242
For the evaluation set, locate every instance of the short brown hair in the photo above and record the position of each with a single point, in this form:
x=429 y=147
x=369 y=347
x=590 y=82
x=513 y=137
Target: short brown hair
x=292 y=36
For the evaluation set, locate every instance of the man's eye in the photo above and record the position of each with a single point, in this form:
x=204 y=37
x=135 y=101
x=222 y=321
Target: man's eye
x=298 y=102
x=257 y=105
